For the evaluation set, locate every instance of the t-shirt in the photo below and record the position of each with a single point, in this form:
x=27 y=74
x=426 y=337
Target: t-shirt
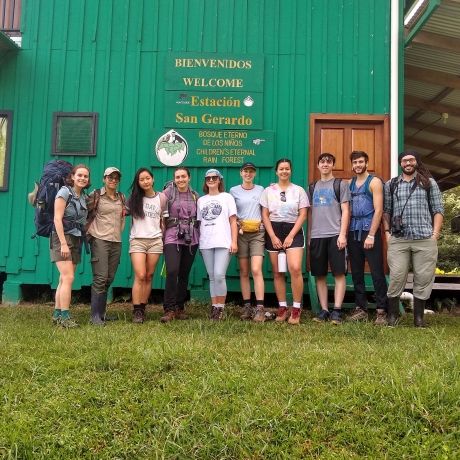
x=76 y=211
x=326 y=212
x=282 y=210
x=214 y=212
x=183 y=207
x=247 y=202
x=149 y=226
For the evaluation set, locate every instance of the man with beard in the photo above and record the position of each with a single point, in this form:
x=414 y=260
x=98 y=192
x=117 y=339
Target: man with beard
x=413 y=215
x=365 y=238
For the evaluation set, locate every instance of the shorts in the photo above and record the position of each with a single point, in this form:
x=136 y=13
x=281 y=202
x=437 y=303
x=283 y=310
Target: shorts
x=324 y=251
x=74 y=244
x=146 y=245
x=251 y=244
x=282 y=230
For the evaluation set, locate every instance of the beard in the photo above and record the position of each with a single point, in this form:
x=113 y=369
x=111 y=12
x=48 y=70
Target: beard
x=363 y=169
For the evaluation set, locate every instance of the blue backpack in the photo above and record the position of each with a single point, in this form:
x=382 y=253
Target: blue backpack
x=53 y=178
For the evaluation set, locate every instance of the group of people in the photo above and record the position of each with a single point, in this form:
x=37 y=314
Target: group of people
x=249 y=221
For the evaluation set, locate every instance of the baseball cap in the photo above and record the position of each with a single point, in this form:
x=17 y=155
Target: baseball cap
x=248 y=165
x=111 y=170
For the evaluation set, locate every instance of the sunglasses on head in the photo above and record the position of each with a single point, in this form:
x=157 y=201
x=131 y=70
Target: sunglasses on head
x=283 y=196
x=211 y=178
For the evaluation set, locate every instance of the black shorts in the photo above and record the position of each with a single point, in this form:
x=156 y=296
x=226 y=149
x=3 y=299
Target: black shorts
x=282 y=230
x=324 y=251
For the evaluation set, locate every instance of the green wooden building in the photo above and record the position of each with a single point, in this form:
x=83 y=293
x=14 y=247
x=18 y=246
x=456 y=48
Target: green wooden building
x=102 y=82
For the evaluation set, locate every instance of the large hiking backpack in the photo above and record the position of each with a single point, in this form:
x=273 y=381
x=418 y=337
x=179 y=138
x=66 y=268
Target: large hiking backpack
x=53 y=178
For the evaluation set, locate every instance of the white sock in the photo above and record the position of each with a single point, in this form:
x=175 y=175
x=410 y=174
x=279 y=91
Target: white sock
x=283 y=303
x=296 y=305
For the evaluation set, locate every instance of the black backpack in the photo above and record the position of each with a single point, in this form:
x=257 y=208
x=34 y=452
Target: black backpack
x=53 y=178
x=394 y=186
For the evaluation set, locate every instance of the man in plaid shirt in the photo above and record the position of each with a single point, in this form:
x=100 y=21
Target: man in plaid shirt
x=412 y=218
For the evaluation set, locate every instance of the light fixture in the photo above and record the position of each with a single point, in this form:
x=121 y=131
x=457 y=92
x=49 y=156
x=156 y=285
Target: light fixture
x=414 y=13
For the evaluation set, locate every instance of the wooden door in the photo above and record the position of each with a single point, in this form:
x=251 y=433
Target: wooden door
x=340 y=135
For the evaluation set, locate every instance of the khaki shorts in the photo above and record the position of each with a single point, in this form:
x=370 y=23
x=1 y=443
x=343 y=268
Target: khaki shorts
x=146 y=245
x=74 y=244
x=251 y=244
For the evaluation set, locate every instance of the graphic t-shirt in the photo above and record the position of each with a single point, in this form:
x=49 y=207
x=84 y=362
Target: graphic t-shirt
x=149 y=226
x=214 y=212
x=284 y=206
x=326 y=212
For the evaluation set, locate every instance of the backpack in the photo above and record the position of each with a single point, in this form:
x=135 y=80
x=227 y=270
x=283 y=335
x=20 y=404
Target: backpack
x=92 y=212
x=53 y=178
x=394 y=186
x=336 y=186
x=173 y=192
x=367 y=183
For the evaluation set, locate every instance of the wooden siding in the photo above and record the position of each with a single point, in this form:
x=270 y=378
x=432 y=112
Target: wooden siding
x=322 y=56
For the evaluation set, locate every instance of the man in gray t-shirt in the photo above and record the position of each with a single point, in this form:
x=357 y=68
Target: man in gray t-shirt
x=328 y=236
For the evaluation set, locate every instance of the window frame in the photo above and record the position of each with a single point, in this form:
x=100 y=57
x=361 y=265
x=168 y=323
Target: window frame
x=8 y=114
x=58 y=115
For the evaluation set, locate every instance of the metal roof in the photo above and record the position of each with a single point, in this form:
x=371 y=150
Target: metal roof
x=432 y=94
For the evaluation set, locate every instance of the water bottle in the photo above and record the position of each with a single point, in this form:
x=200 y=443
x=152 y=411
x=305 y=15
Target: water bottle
x=282 y=265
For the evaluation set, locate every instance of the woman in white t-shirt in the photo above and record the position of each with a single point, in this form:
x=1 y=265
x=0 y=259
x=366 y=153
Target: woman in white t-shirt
x=284 y=210
x=146 y=208
x=218 y=237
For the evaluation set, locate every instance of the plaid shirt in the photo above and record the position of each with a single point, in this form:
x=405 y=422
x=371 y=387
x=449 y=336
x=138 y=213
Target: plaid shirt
x=416 y=218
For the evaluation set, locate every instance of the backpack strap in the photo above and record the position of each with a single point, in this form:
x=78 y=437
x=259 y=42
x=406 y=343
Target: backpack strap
x=336 y=186
x=311 y=189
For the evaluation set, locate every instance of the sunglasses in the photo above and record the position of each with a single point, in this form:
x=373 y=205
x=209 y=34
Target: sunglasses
x=211 y=178
x=326 y=160
x=283 y=197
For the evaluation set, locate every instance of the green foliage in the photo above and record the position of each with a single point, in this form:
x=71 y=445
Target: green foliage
x=229 y=390
x=449 y=244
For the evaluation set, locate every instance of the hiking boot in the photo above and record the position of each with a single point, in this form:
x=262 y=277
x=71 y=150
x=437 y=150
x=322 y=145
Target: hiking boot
x=336 y=316
x=56 y=320
x=168 y=316
x=358 y=314
x=181 y=315
x=248 y=312
x=295 y=316
x=138 y=316
x=259 y=317
x=381 y=318
x=68 y=323
x=217 y=314
x=282 y=314
x=322 y=316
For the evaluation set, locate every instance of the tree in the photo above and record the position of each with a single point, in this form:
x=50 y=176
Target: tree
x=449 y=244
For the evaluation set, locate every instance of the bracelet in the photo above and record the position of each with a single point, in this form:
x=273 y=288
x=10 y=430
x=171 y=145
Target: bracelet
x=371 y=237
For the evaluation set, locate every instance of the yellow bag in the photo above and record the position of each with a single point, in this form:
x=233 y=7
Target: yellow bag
x=250 y=225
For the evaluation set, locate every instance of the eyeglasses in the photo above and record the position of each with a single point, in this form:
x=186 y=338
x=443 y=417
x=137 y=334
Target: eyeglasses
x=326 y=160
x=283 y=197
x=113 y=178
x=410 y=161
x=211 y=178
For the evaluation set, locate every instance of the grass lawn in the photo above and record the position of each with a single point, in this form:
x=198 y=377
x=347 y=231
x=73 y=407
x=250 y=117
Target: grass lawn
x=196 y=389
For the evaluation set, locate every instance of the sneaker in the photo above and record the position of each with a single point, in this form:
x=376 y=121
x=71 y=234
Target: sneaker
x=217 y=314
x=138 y=316
x=336 y=316
x=322 y=316
x=358 y=314
x=282 y=314
x=381 y=318
x=56 y=320
x=68 y=323
x=248 y=312
x=168 y=316
x=259 y=317
x=294 y=319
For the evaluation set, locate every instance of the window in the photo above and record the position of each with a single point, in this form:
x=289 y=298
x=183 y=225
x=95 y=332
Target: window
x=6 y=123
x=74 y=133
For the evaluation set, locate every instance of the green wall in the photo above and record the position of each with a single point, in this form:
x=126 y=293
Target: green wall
x=108 y=57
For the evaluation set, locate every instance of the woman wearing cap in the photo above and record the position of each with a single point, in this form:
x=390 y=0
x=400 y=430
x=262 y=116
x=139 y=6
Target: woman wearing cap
x=218 y=237
x=106 y=220
x=180 y=243
x=146 y=208
x=284 y=210
x=70 y=212
x=250 y=241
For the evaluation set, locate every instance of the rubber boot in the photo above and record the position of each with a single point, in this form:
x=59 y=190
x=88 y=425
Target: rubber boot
x=97 y=304
x=393 y=311
x=419 y=310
